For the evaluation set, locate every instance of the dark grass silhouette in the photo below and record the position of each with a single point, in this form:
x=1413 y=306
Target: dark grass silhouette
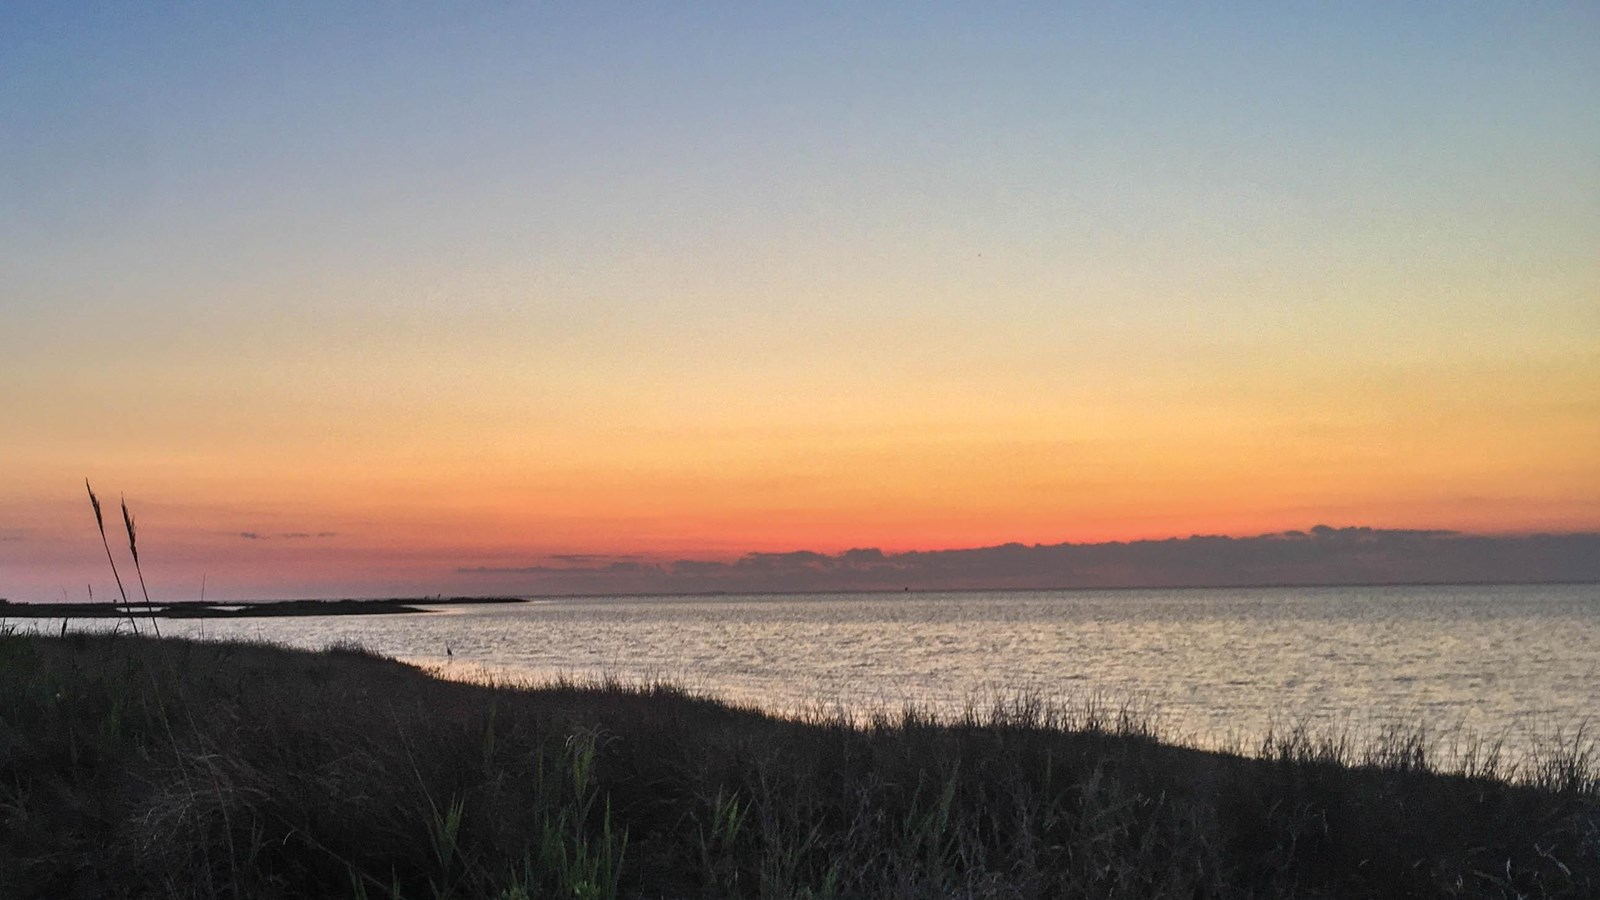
x=100 y=522
x=133 y=550
x=132 y=767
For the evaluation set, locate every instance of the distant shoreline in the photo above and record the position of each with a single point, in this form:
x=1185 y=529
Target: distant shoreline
x=1077 y=589
x=194 y=609
x=346 y=606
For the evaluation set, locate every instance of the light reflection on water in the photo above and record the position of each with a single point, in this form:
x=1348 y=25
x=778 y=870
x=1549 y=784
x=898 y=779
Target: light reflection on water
x=1500 y=661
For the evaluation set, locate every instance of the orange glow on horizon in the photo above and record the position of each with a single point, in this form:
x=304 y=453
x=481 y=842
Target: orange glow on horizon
x=352 y=319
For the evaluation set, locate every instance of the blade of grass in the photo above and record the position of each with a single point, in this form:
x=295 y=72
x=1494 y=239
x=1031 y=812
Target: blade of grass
x=133 y=547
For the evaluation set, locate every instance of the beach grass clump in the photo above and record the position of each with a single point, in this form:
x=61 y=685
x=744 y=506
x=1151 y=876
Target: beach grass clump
x=135 y=767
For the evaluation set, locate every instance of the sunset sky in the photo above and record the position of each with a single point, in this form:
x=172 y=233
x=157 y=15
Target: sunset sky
x=352 y=300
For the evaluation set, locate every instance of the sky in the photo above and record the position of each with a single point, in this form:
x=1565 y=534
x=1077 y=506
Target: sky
x=366 y=299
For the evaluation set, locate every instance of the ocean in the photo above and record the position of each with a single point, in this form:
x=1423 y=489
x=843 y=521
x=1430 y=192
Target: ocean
x=1210 y=667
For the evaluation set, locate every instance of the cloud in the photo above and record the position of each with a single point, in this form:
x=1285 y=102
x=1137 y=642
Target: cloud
x=288 y=535
x=697 y=567
x=8 y=535
x=1322 y=554
x=617 y=566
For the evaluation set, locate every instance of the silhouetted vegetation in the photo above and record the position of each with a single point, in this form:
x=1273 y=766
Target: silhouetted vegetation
x=255 y=609
x=134 y=767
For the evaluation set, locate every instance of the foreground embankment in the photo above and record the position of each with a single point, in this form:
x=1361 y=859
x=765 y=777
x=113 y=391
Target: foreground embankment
x=141 y=767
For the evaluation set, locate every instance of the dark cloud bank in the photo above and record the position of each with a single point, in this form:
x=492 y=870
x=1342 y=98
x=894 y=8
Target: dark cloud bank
x=1322 y=555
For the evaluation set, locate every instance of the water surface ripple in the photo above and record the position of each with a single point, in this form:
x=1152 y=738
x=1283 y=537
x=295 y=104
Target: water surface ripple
x=1216 y=663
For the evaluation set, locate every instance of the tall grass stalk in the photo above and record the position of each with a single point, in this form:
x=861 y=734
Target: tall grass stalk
x=133 y=548
x=100 y=521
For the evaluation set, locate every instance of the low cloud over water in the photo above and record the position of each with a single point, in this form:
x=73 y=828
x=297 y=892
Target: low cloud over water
x=1321 y=555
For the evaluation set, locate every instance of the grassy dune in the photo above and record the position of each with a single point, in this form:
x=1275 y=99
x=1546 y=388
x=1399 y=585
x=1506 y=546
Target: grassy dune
x=142 y=767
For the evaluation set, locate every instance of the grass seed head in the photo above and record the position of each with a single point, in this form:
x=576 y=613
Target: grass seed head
x=133 y=541
x=95 y=501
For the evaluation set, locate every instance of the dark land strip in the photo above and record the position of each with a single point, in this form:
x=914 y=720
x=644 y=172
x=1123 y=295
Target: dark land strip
x=243 y=610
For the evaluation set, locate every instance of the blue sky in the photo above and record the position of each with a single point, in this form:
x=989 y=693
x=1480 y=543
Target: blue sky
x=718 y=278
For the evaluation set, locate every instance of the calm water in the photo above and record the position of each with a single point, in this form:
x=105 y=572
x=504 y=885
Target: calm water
x=1215 y=664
